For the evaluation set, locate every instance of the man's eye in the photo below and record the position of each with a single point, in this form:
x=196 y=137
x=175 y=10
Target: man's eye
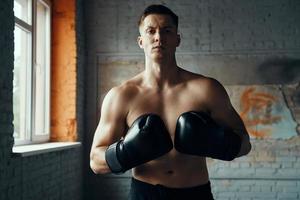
x=150 y=31
x=168 y=30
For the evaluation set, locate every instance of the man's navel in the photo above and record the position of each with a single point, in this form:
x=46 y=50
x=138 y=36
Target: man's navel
x=170 y=172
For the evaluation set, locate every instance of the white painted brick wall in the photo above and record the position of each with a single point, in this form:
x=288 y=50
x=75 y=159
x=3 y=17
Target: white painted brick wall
x=205 y=25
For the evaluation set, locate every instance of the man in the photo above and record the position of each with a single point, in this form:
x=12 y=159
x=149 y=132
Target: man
x=163 y=122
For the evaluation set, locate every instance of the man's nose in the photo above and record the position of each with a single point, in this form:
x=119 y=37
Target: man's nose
x=158 y=36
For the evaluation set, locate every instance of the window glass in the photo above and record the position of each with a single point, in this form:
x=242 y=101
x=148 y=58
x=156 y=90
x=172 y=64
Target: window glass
x=22 y=75
x=22 y=10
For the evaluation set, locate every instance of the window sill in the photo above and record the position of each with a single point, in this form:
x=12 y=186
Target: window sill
x=35 y=149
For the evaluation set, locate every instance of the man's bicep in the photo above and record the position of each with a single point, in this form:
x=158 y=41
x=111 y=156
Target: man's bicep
x=108 y=133
x=112 y=124
x=222 y=109
x=233 y=120
x=227 y=116
x=224 y=113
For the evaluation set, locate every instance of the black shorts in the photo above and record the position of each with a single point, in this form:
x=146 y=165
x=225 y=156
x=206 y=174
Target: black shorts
x=144 y=191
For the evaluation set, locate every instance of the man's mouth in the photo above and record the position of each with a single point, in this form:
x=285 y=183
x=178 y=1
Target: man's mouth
x=158 y=47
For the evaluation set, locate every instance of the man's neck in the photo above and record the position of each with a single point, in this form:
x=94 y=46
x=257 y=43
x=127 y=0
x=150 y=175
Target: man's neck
x=161 y=75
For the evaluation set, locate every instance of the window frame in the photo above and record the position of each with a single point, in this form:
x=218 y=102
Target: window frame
x=29 y=134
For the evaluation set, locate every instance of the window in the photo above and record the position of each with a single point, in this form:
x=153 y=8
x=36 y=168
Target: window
x=31 y=84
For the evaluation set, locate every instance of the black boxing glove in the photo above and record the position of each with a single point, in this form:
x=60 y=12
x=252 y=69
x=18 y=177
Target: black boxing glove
x=197 y=134
x=147 y=139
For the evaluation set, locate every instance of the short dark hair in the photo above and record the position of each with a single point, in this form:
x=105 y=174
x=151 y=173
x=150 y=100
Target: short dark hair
x=158 y=9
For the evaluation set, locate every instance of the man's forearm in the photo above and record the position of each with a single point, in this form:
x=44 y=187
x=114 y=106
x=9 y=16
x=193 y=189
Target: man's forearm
x=97 y=160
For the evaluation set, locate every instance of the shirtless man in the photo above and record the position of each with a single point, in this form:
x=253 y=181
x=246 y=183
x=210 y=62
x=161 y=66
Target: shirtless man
x=163 y=122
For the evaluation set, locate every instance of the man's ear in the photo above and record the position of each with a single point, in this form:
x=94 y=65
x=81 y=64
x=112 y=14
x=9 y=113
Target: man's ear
x=178 y=40
x=140 y=42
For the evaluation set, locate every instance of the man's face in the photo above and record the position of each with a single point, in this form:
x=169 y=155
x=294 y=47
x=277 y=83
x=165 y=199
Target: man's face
x=159 y=37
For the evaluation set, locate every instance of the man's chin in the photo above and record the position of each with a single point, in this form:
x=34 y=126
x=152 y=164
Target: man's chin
x=158 y=55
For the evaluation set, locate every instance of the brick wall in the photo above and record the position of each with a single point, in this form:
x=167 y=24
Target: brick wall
x=55 y=175
x=6 y=109
x=63 y=71
x=237 y=42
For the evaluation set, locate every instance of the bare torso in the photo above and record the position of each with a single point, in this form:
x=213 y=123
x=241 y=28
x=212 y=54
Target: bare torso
x=167 y=90
x=173 y=169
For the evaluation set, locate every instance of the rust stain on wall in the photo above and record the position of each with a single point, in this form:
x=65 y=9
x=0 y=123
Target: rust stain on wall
x=264 y=111
x=256 y=109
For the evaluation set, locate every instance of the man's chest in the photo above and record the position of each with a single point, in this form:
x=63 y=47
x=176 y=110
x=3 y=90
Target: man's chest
x=169 y=106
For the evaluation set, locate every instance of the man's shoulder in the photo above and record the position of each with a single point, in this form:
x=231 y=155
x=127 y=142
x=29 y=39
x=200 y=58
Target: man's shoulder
x=203 y=85
x=196 y=79
x=118 y=98
x=211 y=88
x=125 y=90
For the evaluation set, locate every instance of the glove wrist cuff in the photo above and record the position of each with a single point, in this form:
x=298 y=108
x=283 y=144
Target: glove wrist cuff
x=112 y=160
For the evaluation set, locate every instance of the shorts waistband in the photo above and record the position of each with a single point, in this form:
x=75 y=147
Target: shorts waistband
x=203 y=187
